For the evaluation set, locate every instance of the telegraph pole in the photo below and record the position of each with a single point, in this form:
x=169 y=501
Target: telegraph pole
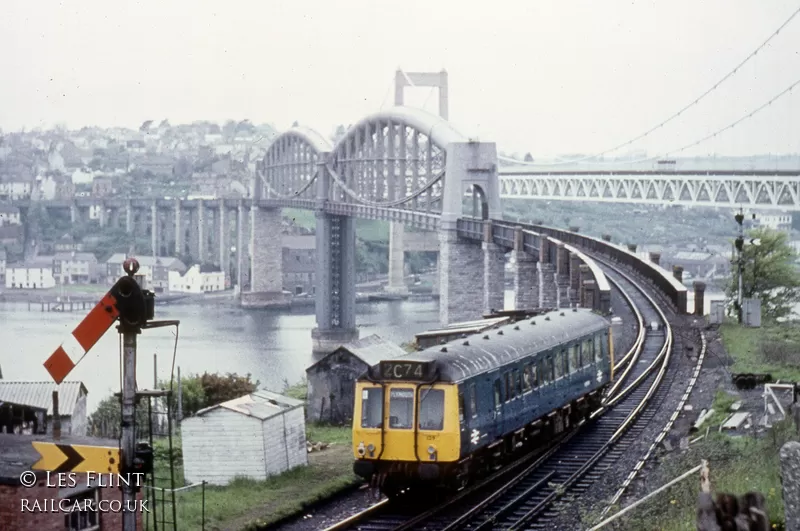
x=740 y=247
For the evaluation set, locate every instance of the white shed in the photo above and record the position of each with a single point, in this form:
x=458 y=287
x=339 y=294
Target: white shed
x=255 y=436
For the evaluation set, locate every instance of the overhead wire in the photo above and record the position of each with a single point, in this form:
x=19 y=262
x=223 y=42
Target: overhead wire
x=675 y=115
x=722 y=130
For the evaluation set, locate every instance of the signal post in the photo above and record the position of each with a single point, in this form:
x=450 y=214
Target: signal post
x=133 y=307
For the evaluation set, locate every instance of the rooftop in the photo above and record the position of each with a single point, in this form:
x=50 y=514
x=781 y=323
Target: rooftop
x=40 y=394
x=37 y=262
x=81 y=257
x=371 y=350
x=149 y=261
x=260 y=404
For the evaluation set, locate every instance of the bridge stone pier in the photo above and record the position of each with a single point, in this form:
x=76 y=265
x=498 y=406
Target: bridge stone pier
x=463 y=264
x=526 y=274
x=562 y=276
x=547 y=270
x=266 y=276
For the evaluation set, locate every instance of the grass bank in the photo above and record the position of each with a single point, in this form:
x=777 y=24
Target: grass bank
x=247 y=504
x=737 y=465
x=773 y=349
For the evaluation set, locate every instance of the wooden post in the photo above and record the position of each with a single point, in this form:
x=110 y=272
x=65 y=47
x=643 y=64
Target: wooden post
x=56 y=418
x=748 y=512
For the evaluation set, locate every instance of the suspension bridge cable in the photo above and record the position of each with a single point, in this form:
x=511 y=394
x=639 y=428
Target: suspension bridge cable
x=675 y=115
x=722 y=130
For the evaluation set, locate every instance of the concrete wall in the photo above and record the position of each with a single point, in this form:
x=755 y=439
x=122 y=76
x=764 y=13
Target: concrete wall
x=222 y=444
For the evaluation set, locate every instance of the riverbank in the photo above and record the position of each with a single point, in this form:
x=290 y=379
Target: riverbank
x=78 y=295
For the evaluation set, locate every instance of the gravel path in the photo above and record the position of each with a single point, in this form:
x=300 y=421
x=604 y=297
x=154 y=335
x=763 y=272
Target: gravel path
x=331 y=512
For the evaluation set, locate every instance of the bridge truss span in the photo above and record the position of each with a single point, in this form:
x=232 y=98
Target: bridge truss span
x=753 y=190
x=290 y=167
x=392 y=158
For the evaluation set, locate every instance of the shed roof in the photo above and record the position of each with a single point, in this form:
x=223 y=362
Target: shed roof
x=17 y=454
x=40 y=395
x=260 y=404
x=370 y=350
x=516 y=340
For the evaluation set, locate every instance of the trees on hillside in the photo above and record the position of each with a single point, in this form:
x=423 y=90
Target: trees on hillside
x=769 y=273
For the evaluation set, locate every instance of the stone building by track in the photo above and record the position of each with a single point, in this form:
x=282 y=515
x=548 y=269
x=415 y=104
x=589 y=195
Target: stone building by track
x=331 y=380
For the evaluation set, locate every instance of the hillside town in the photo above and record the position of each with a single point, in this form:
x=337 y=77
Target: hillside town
x=199 y=160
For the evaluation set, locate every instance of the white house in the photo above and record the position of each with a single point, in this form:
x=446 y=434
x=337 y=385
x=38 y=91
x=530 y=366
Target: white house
x=9 y=215
x=16 y=190
x=154 y=270
x=198 y=279
x=33 y=274
x=255 y=436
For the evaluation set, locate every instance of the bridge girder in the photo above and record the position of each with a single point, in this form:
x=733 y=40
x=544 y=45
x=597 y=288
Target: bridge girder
x=754 y=192
x=290 y=166
x=391 y=159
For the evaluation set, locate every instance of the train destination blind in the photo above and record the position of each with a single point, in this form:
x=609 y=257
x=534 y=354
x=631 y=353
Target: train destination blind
x=405 y=370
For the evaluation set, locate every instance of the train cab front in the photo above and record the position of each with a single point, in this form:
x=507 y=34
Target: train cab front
x=405 y=426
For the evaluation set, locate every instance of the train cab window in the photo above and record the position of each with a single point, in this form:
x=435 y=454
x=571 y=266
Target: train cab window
x=372 y=407
x=473 y=399
x=527 y=385
x=401 y=408
x=598 y=348
x=431 y=409
x=461 y=412
x=574 y=358
x=498 y=395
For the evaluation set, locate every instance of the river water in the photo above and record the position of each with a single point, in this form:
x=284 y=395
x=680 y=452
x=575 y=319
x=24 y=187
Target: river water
x=274 y=347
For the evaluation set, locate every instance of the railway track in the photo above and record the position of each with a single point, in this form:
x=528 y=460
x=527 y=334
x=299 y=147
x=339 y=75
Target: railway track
x=530 y=493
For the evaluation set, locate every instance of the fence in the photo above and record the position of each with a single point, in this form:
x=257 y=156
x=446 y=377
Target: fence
x=167 y=507
x=728 y=512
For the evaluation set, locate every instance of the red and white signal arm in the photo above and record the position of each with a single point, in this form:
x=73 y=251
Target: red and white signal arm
x=82 y=339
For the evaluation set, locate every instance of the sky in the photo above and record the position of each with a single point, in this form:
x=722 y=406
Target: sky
x=546 y=76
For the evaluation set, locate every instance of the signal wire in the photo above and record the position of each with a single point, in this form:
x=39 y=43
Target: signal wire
x=668 y=120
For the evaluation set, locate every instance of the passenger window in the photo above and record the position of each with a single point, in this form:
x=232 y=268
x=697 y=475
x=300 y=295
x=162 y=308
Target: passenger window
x=516 y=382
x=460 y=406
x=372 y=407
x=549 y=369
x=575 y=362
x=401 y=408
x=473 y=400
x=498 y=397
x=598 y=348
x=534 y=376
x=431 y=409
x=526 y=378
x=587 y=355
x=560 y=358
x=509 y=389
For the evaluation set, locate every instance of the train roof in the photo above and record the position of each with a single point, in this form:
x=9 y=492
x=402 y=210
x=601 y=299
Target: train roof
x=485 y=351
